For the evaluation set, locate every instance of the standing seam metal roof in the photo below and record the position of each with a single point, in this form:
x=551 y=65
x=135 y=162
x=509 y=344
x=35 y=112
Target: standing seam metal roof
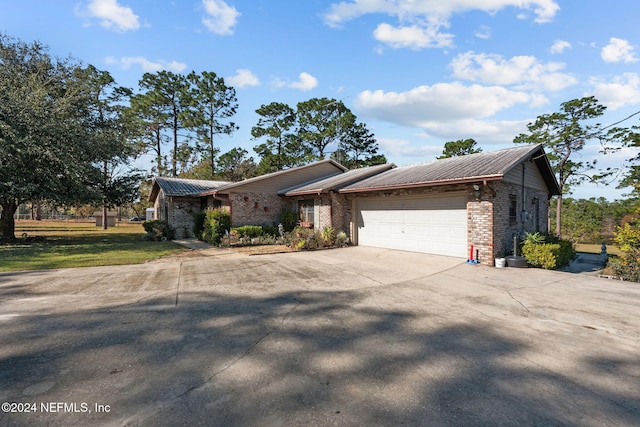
x=185 y=187
x=488 y=165
x=335 y=182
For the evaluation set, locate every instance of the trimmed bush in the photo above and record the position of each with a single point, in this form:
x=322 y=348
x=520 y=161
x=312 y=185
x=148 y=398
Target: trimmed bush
x=271 y=230
x=157 y=230
x=547 y=251
x=248 y=231
x=217 y=223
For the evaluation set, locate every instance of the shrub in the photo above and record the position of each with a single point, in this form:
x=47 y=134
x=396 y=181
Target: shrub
x=157 y=229
x=248 y=231
x=342 y=239
x=329 y=236
x=199 y=218
x=627 y=266
x=217 y=223
x=547 y=251
x=271 y=230
x=288 y=219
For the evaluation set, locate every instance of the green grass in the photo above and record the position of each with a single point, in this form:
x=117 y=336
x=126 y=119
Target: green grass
x=595 y=249
x=62 y=244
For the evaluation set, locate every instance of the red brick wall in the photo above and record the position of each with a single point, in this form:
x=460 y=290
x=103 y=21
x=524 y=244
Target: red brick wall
x=258 y=208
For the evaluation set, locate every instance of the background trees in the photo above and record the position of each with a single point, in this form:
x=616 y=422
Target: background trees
x=46 y=150
x=211 y=102
x=460 y=147
x=112 y=139
x=187 y=110
x=564 y=134
x=308 y=133
x=281 y=149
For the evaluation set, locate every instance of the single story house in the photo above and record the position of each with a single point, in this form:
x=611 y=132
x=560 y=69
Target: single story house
x=445 y=206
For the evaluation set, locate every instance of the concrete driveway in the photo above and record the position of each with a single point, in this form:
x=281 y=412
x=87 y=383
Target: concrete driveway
x=353 y=336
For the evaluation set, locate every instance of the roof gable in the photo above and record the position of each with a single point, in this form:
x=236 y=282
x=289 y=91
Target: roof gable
x=336 y=182
x=277 y=181
x=492 y=165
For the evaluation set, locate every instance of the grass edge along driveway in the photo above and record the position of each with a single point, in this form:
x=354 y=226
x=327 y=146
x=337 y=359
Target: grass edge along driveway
x=68 y=244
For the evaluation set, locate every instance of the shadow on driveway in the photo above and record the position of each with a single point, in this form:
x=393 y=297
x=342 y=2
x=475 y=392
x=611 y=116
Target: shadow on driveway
x=296 y=358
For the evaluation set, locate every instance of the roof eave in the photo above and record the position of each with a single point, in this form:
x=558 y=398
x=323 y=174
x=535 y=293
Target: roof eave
x=423 y=184
x=317 y=191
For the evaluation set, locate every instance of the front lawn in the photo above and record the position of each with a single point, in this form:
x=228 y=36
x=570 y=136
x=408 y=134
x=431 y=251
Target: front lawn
x=596 y=249
x=62 y=244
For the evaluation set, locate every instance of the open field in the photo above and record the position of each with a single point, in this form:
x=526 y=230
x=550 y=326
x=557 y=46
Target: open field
x=62 y=244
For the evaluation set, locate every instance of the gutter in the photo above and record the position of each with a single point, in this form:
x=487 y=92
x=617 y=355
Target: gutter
x=220 y=197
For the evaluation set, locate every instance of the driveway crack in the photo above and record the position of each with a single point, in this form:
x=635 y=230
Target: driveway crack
x=517 y=300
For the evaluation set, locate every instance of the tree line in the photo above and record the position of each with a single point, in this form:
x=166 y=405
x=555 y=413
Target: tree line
x=69 y=133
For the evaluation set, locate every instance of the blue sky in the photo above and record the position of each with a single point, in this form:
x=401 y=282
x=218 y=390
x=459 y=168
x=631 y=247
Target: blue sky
x=417 y=72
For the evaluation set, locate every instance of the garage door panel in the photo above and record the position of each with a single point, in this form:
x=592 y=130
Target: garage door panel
x=430 y=225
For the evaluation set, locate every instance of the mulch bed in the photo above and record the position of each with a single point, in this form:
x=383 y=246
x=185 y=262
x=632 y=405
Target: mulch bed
x=263 y=249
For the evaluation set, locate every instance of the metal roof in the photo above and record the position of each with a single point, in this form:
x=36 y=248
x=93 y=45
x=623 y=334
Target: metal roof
x=231 y=185
x=490 y=165
x=335 y=182
x=182 y=187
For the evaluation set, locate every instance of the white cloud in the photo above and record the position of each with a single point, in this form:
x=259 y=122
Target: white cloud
x=221 y=17
x=305 y=82
x=559 y=46
x=485 y=131
x=421 y=22
x=243 y=78
x=145 y=64
x=393 y=147
x=414 y=37
x=622 y=91
x=484 y=32
x=618 y=50
x=425 y=106
x=525 y=72
x=112 y=15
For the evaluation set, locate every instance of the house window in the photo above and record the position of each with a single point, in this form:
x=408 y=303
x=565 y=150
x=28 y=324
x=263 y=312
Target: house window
x=305 y=212
x=513 y=210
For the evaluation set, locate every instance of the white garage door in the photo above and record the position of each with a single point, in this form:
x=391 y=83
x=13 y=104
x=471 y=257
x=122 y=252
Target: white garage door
x=435 y=225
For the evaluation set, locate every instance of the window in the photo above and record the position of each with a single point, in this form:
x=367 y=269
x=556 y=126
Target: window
x=513 y=210
x=305 y=212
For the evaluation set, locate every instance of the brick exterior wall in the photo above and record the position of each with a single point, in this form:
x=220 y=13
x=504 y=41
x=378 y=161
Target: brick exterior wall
x=178 y=212
x=323 y=206
x=340 y=212
x=480 y=228
x=258 y=208
x=503 y=228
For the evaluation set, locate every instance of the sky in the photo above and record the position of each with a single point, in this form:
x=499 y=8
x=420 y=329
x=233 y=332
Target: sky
x=418 y=73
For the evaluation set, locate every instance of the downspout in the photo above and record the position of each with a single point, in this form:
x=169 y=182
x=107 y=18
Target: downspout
x=523 y=213
x=226 y=199
x=331 y=198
